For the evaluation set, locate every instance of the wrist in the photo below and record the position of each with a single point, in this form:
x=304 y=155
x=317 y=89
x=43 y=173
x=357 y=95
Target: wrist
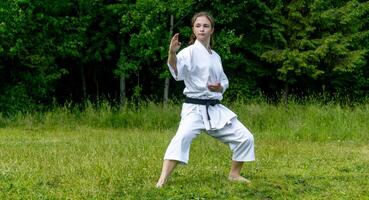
x=220 y=89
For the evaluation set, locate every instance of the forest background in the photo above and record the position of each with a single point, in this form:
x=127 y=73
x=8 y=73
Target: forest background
x=83 y=84
x=73 y=51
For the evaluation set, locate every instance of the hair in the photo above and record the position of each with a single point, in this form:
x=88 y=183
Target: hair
x=212 y=22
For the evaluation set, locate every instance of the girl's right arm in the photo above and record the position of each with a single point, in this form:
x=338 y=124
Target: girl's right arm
x=173 y=48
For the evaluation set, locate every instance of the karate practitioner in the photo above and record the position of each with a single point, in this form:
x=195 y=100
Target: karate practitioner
x=201 y=70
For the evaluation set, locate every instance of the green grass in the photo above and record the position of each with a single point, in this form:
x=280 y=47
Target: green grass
x=103 y=164
x=305 y=152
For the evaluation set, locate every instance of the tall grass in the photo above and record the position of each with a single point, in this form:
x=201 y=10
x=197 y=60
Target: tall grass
x=296 y=121
x=308 y=121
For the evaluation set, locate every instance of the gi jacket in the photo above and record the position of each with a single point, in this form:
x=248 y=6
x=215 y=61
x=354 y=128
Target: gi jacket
x=197 y=68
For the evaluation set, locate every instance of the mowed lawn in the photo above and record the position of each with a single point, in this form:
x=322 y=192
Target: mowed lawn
x=121 y=163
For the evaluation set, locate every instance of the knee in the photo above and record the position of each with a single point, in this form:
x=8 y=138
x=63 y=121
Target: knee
x=247 y=137
x=185 y=136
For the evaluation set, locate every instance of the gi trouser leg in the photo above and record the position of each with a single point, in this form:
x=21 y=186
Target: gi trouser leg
x=239 y=139
x=189 y=128
x=235 y=134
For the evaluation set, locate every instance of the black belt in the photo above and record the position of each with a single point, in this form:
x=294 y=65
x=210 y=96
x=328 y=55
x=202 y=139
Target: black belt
x=206 y=102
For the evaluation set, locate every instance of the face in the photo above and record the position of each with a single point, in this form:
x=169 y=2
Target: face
x=202 y=29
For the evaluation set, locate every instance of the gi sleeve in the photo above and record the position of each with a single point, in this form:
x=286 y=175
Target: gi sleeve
x=224 y=81
x=183 y=65
x=223 y=77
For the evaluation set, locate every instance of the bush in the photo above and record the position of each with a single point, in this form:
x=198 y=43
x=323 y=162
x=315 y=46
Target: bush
x=15 y=99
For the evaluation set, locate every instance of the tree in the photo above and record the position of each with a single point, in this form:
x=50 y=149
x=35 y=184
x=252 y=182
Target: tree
x=29 y=71
x=313 y=39
x=145 y=38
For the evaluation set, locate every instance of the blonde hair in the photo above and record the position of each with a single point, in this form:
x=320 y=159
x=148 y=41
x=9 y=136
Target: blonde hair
x=212 y=22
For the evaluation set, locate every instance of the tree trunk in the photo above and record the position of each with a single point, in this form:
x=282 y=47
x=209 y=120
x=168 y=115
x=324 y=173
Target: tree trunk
x=96 y=84
x=166 y=89
x=285 y=94
x=122 y=90
x=83 y=82
x=166 y=83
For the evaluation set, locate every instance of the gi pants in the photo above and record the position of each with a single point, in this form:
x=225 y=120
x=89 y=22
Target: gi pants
x=235 y=134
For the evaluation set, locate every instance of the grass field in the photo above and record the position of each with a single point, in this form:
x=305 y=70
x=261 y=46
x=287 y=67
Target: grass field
x=303 y=152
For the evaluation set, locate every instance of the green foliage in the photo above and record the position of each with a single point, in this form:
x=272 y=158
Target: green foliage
x=316 y=39
x=16 y=99
x=146 y=36
x=73 y=50
x=28 y=62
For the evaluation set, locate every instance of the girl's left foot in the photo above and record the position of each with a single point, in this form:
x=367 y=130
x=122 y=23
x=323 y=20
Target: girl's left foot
x=239 y=179
x=160 y=183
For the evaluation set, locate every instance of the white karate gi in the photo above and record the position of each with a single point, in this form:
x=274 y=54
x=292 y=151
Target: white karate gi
x=197 y=68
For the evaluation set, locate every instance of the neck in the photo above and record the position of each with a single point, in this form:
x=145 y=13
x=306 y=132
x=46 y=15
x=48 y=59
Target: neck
x=206 y=44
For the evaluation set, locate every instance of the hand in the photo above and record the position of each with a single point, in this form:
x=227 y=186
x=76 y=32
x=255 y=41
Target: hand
x=215 y=87
x=174 y=44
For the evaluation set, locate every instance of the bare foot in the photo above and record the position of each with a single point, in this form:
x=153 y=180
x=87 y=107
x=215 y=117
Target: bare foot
x=239 y=179
x=160 y=183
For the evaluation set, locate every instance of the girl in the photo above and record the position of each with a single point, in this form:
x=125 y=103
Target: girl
x=201 y=70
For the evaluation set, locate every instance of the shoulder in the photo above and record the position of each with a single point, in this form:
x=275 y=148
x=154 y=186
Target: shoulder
x=186 y=51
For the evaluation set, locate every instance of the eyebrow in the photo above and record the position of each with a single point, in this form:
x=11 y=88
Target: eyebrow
x=198 y=23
